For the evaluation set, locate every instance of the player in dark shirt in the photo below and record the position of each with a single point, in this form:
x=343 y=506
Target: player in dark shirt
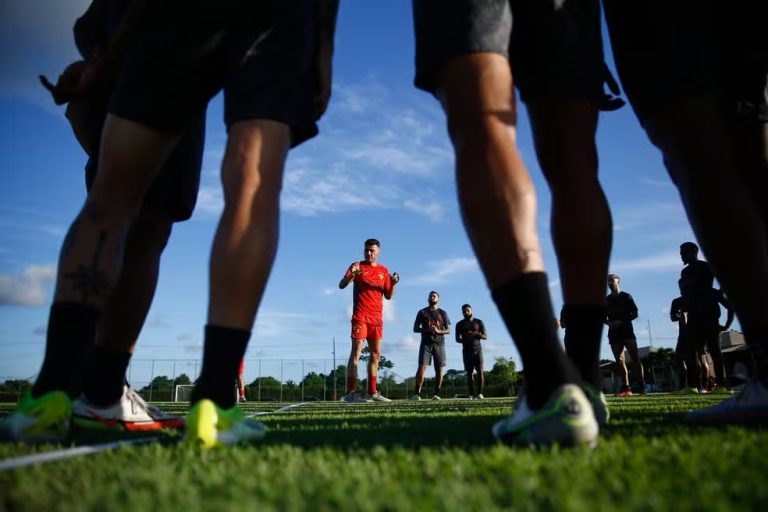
x=621 y=310
x=470 y=332
x=678 y=313
x=703 y=322
x=433 y=324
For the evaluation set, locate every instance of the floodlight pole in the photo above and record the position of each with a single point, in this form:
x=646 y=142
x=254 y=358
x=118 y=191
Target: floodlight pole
x=333 y=370
x=650 y=351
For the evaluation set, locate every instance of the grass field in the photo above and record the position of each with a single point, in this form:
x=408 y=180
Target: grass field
x=412 y=456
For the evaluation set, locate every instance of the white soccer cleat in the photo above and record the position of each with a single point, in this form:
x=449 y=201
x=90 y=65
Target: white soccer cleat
x=130 y=412
x=353 y=397
x=416 y=397
x=378 y=397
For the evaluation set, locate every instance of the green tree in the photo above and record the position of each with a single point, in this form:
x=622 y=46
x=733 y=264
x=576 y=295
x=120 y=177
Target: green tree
x=383 y=361
x=503 y=379
x=182 y=380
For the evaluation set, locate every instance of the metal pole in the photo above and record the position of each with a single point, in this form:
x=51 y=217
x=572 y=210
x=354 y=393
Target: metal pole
x=151 y=380
x=303 y=378
x=325 y=383
x=650 y=352
x=334 y=368
x=281 y=380
x=258 y=391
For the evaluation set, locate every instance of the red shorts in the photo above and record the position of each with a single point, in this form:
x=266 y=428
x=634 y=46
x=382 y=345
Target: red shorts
x=367 y=330
x=241 y=370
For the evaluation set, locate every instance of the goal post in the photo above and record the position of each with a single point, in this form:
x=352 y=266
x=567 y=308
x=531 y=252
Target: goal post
x=182 y=392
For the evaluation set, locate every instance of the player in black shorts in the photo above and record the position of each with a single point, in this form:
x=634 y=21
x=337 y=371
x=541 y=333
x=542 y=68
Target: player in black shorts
x=106 y=401
x=677 y=313
x=470 y=332
x=696 y=74
x=703 y=327
x=273 y=60
x=470 y=55
x=433 y=324
x=621 y=310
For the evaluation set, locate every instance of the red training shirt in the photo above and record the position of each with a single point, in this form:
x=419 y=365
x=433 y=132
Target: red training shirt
x=371 y=284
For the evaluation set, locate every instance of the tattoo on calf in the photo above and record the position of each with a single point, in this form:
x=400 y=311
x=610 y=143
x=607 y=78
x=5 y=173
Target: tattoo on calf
x=88 y=280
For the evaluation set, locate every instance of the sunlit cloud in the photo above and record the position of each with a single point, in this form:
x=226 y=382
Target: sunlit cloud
x=441 y=270
x=654 y=263
x=29 y=287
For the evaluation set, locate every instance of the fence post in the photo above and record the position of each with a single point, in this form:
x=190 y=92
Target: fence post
x=258 y=390
x=303 y=378
x=281 y=380
x=151 y=380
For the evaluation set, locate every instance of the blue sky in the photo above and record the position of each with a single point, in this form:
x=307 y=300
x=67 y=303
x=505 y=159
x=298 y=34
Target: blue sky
x=382 y=167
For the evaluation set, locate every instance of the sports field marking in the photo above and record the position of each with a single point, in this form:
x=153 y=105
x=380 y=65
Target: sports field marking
x=68 y=453
x=282 y=409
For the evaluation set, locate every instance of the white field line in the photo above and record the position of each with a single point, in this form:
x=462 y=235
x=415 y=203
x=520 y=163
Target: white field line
x=68 y=453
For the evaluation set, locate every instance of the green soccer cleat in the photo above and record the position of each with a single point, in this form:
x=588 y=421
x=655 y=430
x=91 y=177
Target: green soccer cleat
x=566 y=419
x=44 y=419
x=599 y=404
x=209 y=425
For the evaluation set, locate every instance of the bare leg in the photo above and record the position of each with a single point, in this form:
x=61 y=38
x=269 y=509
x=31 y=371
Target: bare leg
x=438 y=379
x=127 y=308
x=496 y=195
x=373 y=361
x=246 y=240
x=420 y=377
x=618 y=354
x=564 y=134
x=92 y=253
x=354 y=358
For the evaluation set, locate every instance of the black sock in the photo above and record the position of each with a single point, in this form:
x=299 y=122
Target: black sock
x=583 y=333
x=71 y=330
x=223 y=350
x=525 y=306
x=105 y=376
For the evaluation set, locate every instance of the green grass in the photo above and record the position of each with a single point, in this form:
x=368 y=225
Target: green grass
x=413 y=456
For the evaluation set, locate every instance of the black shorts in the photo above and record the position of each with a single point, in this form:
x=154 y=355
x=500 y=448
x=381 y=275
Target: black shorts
x=174 y=189
x=427 y=351
x=619 y=343
x=664 y=50
x=185 y=52
x=554 y=52
x=473 y=359
x=705 y=338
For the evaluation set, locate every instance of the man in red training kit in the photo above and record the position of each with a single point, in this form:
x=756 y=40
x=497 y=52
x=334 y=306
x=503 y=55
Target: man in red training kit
x=372 y=281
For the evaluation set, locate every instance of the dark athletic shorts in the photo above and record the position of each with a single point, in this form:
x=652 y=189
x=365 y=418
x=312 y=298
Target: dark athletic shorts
x=427 y=351
x=704 y=338
x=667 y=49
x=174 y=190
x=554 y=52
x=186 y=51
x=473 y=359
x=621 y=343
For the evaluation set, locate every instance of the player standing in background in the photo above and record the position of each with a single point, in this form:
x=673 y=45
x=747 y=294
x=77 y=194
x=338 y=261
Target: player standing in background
x=372 y=282
x=433 y=324
x=470 y=332
x=241 y=381
x=620 y=312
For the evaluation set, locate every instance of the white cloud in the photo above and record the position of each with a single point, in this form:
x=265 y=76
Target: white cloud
x=654 y=263
x=441 y=270
x=432 y=210
x=210 y=201
x=407 y=343
x=28 y=287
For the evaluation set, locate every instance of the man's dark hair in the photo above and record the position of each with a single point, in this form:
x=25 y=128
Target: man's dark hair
x=466 y=306
x=372 y=241
x=433 y=291
x=614 y=276
x=689 y=245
